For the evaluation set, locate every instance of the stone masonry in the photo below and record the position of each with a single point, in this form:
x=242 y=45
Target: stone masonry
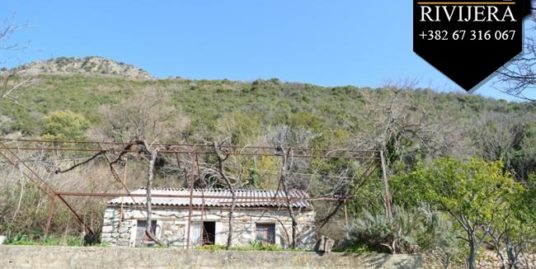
x=120 y=222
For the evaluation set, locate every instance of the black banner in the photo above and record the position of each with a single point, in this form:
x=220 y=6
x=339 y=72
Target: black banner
x=468 y=40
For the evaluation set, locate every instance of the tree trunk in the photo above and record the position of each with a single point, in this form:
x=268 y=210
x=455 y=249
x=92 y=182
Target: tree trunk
x=291 y=214
x=221 y=160
x=150 y=175
x=230 y=237
x=512 y=254
x=471 y=260
x=283 y=181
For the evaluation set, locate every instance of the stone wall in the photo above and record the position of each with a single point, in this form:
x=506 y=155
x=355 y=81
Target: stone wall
x=119 y=225
x=22 y=257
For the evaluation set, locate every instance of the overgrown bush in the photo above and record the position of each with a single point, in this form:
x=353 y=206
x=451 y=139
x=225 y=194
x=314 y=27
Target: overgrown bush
x=409 y=231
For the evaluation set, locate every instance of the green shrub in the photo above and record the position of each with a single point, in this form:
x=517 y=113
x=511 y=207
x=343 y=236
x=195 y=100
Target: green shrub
x=259 y=246
x=29 y=240
x=253 y=246
x=20 y=240
x=65 y=125
x=353 y=248
x=211 y=247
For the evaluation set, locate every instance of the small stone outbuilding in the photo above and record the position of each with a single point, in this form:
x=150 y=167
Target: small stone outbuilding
x=201 y=217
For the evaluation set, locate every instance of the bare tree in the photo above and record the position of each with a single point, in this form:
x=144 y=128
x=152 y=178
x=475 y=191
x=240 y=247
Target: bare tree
x=518 y=78
x=8 y=84
x=497 y=136
x=147 y=114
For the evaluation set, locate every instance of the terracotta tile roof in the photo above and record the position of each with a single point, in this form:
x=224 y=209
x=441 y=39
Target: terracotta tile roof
x=215 y=198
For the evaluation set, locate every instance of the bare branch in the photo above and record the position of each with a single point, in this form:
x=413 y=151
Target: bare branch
x=519 y=76
x=59 y=171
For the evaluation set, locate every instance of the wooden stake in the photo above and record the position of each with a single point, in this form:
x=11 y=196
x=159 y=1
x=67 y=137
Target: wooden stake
x=387 y=193
x=51 y=206
x=346 y=219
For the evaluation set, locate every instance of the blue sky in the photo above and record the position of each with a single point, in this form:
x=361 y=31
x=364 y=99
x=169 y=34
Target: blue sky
x=315 y=41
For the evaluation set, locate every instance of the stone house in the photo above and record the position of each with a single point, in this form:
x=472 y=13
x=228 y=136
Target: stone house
x=201 y=217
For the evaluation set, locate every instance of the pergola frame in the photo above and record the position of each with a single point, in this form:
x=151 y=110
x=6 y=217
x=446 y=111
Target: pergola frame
x=372 y=160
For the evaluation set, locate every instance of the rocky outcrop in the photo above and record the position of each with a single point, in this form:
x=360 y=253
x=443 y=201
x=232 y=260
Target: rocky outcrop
x=85 y=66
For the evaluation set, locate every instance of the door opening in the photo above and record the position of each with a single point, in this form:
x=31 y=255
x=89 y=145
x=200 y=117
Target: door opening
x=209 y=232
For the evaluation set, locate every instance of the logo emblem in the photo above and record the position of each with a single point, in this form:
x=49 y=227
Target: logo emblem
x=468 y=40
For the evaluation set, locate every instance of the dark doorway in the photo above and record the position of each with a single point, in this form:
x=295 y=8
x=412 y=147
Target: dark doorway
x=209 y=232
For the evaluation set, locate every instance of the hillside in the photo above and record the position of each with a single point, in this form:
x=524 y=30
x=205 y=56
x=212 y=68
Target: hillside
x=203 y=110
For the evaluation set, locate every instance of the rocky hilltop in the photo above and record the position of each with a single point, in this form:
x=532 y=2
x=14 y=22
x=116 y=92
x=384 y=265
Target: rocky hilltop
x=86 y=66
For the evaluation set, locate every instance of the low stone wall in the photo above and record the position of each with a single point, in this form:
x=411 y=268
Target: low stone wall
x=160 y=258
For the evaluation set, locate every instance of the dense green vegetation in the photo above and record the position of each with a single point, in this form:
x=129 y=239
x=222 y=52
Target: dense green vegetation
x=483 y=200
x=339 y=112
x=462 y=167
